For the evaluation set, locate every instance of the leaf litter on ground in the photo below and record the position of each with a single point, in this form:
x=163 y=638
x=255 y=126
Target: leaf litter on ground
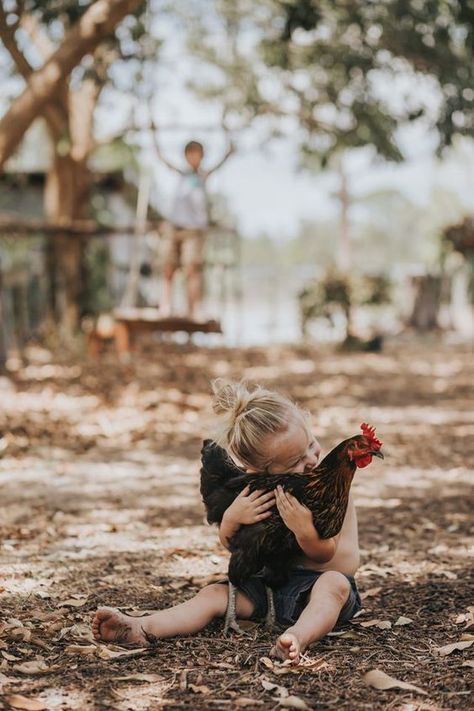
x=381 y=624
x=381 y=681
x=17 y=701
x=454 y=647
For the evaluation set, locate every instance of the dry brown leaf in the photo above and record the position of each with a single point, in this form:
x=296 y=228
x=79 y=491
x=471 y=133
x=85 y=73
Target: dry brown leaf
x=81 y=631
x=468 y=663
x=307 y=664
x=4 y=679
x=24 y=633
x=455 y=646
x=107 y=653
x=244 y=702
x=73 y=602
x=183 y=680
x=36 y=666
x=14 y=622
x=470 y=621
x=85 y=649
x=282 y=691
x=371 y=592
x=17 y=701
x=200 y=689
x=293 y=702
x=381 y=624
x=267 y=662
x=381 y=681
x=222 y=665
x=420 y=706
x=10 y=657
x=179 y=584
x=344 y=634
x=39 y=643
x=403 y=621
x=150 y=678
x=466 y=637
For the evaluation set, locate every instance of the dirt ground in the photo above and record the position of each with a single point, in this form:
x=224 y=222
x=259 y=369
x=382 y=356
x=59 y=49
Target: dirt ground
x=100 y=505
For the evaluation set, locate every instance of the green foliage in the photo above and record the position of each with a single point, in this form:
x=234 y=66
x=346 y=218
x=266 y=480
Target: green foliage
x=330 y=65
x=96 y=297
x=334 y=292
x=461 y=236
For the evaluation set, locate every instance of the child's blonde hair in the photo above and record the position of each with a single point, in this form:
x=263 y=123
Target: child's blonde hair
x=249 y=417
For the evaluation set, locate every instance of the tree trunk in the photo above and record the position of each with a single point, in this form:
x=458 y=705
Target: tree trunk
x=97 y=23
x=424 y=315
x=66 y=197
x=344 y=251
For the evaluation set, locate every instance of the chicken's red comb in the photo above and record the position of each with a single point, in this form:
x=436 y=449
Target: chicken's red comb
x=369 y=432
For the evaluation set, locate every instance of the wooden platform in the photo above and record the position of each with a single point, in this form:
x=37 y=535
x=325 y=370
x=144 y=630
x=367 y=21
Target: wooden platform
x=130 y=322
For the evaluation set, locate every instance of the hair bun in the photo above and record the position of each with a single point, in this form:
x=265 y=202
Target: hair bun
x=229 y=397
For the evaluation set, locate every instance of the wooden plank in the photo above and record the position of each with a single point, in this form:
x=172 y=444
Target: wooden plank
x=151 y=320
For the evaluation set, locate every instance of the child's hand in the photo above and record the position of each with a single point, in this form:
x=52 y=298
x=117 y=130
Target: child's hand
x=297 y=517
x=250 y=508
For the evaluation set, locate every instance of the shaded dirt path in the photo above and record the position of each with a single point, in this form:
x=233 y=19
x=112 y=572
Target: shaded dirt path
x=100 y=505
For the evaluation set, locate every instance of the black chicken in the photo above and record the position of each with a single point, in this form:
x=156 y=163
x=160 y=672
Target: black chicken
x=269 y=546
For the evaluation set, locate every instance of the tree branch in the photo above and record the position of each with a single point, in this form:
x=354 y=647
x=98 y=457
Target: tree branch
x=40 y=39
x=55 y=117
x=98 y=22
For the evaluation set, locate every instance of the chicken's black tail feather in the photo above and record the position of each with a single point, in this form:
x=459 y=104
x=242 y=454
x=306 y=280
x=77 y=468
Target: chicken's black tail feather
x=221 y=480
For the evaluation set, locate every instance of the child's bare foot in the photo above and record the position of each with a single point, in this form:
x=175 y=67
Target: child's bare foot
x=110 y=625
x=286 y=647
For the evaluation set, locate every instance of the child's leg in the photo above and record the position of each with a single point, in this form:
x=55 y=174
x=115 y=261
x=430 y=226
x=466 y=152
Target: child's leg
x=194 y=279
x=167 y=291
x=328 y=596
x=110 y=625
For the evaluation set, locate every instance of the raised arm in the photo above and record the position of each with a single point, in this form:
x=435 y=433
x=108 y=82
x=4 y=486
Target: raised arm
x=166 y=162
x=230 y=151
x=160 y=155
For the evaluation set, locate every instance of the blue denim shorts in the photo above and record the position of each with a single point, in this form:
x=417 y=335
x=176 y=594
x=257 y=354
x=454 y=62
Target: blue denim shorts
x=292 y=597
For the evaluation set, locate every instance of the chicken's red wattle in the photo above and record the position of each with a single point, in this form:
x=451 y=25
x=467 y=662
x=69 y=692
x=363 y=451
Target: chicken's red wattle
x=363 y=461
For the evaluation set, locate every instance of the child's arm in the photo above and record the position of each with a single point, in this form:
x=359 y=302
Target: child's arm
x=164 y=160
x=230 y=150
x=246 y=508
x=299 y=519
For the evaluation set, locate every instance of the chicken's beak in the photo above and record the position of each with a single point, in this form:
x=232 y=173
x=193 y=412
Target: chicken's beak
x=378 y=453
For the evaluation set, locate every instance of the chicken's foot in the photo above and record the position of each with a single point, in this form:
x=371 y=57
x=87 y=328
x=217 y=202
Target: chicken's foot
x=230 y=621
x=270 y=617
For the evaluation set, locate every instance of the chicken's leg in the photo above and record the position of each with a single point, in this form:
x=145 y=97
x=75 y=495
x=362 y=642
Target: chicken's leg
x=270 y=617
x=230 y=621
